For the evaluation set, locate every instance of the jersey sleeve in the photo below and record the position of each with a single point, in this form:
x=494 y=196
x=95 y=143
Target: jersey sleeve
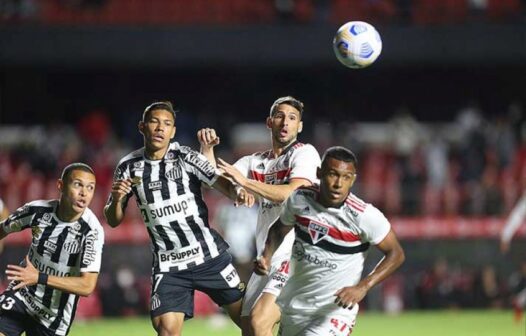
x=18 y=220
x=374 y=225
x=197 y=164
x=243 y=165
x=287 y=212
x=304 y=163
x=92 y=250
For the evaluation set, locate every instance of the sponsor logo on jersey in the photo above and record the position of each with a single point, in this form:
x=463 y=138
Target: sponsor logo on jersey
x=350 y=211
x=230 y=275
x=170 y=155
x=90 y=251
x=203 y=165
x=41 y=266
x=155 y=185
x=45 y=219
x=50 y=246
x=174 y=174
x=299 y=253
x=168 y=210
x=317 y=231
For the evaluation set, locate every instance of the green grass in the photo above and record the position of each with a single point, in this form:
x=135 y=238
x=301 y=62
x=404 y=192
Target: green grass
x=440 y=323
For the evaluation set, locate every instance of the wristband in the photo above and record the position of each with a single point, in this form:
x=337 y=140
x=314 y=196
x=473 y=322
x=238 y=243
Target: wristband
x=42 y=278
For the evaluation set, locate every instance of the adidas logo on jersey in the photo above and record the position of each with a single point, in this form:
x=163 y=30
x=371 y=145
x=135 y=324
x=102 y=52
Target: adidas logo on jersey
x=260 y=166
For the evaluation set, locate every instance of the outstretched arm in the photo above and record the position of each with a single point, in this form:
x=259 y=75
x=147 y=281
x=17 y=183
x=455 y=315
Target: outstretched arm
x=393 y=258
x=82 y=285
x=273 y=192
x=239 y=195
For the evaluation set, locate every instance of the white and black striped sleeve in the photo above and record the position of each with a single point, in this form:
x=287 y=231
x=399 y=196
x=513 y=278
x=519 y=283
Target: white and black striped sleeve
x=18 y=220
x=196 y=163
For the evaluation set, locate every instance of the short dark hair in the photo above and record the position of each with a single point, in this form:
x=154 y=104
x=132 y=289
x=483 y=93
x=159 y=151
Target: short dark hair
x=159 y=105
x=341 y=154
x=75 y=166
x=289 y=100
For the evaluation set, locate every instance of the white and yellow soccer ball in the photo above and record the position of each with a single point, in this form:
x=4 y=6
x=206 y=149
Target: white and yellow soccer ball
x=357 y=44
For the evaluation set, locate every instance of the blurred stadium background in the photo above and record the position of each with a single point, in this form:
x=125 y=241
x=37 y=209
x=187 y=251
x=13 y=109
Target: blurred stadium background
x=438 y=124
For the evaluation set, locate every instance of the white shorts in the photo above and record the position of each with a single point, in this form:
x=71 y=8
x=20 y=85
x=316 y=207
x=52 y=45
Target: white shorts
x=337 y=323
x=272 y=283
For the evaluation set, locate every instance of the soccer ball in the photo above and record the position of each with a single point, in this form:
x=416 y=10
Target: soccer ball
x=357 y=44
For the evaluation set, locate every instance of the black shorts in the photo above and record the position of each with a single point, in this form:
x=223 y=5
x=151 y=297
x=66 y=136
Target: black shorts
x=174 y=291
x=14 y=319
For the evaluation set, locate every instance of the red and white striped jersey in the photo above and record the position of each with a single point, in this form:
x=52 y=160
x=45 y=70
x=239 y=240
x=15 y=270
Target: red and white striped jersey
x=298 y=161
x=329 y=250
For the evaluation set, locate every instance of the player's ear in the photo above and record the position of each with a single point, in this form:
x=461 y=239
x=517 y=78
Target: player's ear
x=141 y=127
x=60 y=185
x=173 y=132
x=300 y=127
x=269 y=122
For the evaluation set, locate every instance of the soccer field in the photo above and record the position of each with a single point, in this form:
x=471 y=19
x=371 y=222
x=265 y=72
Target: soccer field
x=451 y=323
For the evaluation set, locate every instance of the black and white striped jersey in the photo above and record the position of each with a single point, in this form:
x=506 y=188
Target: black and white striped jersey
x=57 y=248
x=168 y=194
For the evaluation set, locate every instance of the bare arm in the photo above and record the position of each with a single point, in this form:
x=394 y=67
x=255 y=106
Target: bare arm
x=114 y=212
x=240 y=196
x=82 y=285
x=393 y=258
x=275 y=237
x=208 y=139
x=272 y=192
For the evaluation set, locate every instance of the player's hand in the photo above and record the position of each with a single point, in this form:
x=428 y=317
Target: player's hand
x=261 y=266
x=244 y=198
x=208 y=138
x=121 y=188
x=348 y=296
x=27 y=276
x=231 y=172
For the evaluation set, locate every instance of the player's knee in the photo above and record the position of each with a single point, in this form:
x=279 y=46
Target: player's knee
x=164 y=328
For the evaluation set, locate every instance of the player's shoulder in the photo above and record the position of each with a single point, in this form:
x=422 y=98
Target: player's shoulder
x=91 y=219
x=303 y=149
x=311 y=192
x=131 y=157
x=261 y=155
x=356 y=205
x=41 y=205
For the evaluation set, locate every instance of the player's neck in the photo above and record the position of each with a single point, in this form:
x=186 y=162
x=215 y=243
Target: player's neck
x=154 y=153
x=279 y=148
x=67 y=215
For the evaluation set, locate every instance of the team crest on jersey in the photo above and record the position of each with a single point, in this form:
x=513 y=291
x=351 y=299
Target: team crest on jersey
x=317 y=232
x=72 y=246
x=170 y=156
x=156 y=302
x=174 y=174
x=270 y=178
